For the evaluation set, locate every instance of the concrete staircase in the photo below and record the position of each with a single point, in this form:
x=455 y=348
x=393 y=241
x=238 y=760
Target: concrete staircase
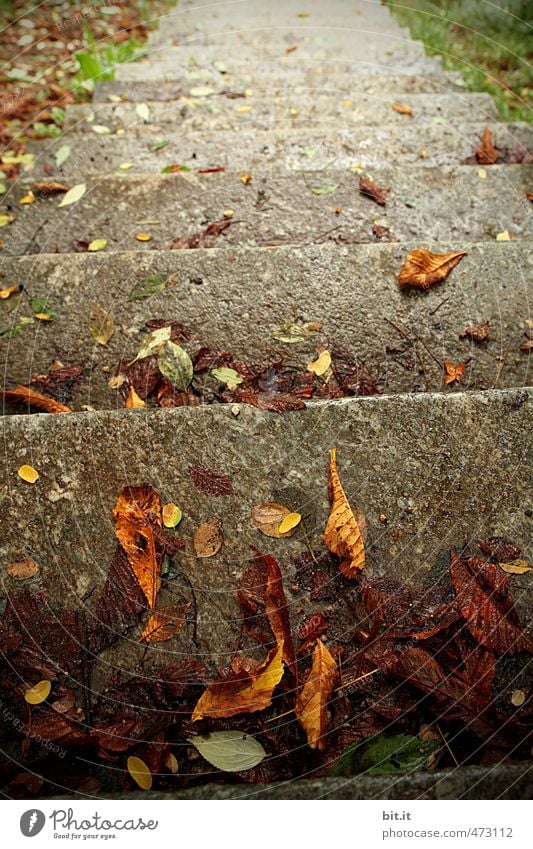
x=430 y=466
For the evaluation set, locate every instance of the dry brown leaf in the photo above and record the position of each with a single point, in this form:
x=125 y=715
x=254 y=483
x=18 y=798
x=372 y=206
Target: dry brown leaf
x=25 y=395
x=164 y=624
x=403 y=109
x=527 y=346
x=22 y=569
x=101 y=325
x=209 y=538
x=516 y=567
x=477 y=332
x=138 y=528
x=342 y=535
x=267 y=518
x=50 y=188
x=453 y=373
x=423 y=269
x=133 y=402
x=518 y=697
x=312 y=703
x=371 y=190
x=486 y=153
x=248 y=692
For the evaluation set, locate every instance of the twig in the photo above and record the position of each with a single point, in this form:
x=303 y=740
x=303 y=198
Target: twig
x=355 y=680
x=447 y=745
x=433 y=311
x=500 y=368
x=419 y=358
x=319 y=236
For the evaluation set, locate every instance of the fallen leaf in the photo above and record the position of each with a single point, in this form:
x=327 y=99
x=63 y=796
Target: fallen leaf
x=383 y=755
x=73 y=195
x=211 y=481
x=143 y=237
x=518 y=698
x=312 y=702
x=227 y=375
x=321 y=364
x=248 y=692
x=324 y=188
x=246 y=179
x=25 y=395
x=453 y=373
x=143 y=111
x=6 y=218
x=140 y=773
x=62 y=154
x=209 y=538
x=267 y=518
x=9 y=290
x=28 y=198
x=342 y=534
x=499 y=549
x=172 y=515
x=403 y=109
x=138 y=521
x=22 y=569
x=291 y=333
x=50 y=188
x=28 y=474
x=38 y=693
x=516 y=567
x=477 y=332
x=486 y=153
x=504 y=236
x=423 y=269
x=371 y=190
x=151 y=285
x=527 y=346
x=97 y=245
x=289 y=523
x=101 y=325
x=171 y=763
x=133 y=402
x=176 y=365
x=230 y=751
x=165 y=624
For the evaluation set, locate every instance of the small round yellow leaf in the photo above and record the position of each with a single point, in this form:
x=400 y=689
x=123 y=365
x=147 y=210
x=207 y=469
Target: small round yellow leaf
x=246 y=178
x=28 y=474
x=482 y=174
x=143 y=237
x=38 y=693
x=321 y=364
x=29 y=198
x=172 y=515
x=140 y=773
x=43 y=316
x=97 y=245
x=171 y=763
x=289 y=522
x=8 y=291
x=518 y=698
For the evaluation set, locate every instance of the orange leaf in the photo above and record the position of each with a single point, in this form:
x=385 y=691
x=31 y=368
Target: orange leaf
x=133 y=402
x=138 y=528
x=403 y=108
x=247 y=692
x=25 y=395
x=453 y=373
x=276 y=607
x=423 y=269
x=312 y=703
x=209 y=538
x=477 y=332
x=164 y=624
x=486 y=153
x=371 y=190
x=343 y=535
x=50 y=188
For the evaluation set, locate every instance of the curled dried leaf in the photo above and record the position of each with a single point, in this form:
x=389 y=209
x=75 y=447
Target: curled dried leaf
x=516 y=567
x=422 y=268
x=138 y=522
x=321 y=364
x=403 y=109
x=478 y=332
x=133 y=402
x=209 y=538
x=312 y=702
x=342 y=534
x=25 y=395
x=486 y=153
x=371 y=190
x=453 y=373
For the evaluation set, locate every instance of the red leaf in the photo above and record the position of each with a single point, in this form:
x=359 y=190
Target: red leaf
x=210 y=481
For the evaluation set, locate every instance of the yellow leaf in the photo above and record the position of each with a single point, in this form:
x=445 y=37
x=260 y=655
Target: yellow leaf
x=29 y=198
x=321 y=364
x=8 y=291
x=289 y=523
x=516 y=567
x=268 y=516
x=346 y=104
x=171 y=763
x=246 y=178
x=504 y=236
x=42 y=316
x=518 y=698
x=140 y=773
x=312 y=702
x=101 y=325
x=423 y=269
x=6 y=218
x=138 y=524
x=22 y=569
x=172 y=515
x=403 y=108
x=482 y=174
x=38 y=693
x=143 y=237
x=342 y=534
x=28 y=474
x=97 y=245
x=133 y=402
x=73 y=195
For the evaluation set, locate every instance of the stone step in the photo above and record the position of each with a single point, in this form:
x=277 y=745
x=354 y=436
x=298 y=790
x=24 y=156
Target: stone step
x=234 y=301
x=275 y=151
x=433 y=204
x=207 y=113
x=411 y=464
x=406 y=58
x=292 y=81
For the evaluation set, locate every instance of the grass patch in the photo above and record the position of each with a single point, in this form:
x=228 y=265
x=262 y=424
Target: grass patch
x=488 y=42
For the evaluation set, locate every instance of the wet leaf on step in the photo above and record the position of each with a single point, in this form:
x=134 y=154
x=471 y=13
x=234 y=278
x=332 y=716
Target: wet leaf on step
x=28 y=473
x=478 y=332
x=133 y=402
x=499 y=549
x=211 y=481
x=165 y=624
x=73 y=195
x=229 y=751
x=176 y=365
x=140 y=773
x=176 y=168
x=486 y=153
x=151 y=285
x=453 y=373
x=312 y=702
x=62 y=154
x=25 y=395
x=403 y=109
x=422 y=268
x=28 y=198
x=267 y=518
x=321 y=364
x=153 y=343
x=138 y=523
x=209 y=538
x=101 y=325
x=38 y=693
x=384 y=755
x=227 y=375
x=97 y=245
x=172 y=515
x=518 y=698
x=6 y=218
x=371 y=190
x=291 y=333
x=22 y=570
x=143 y=237
x=289 y=523
x=342 y=535
x=246 y=178
x=159 y=145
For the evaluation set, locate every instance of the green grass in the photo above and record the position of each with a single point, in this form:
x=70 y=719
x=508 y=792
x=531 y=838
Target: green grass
x=490 y=43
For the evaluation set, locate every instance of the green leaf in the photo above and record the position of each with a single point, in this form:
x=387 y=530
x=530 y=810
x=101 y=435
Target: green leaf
x=324 y=188
x=230 y=751
x=42 y=306
x=89 y=64
x=382 y=755
x=151 y=285
x=176 y=365
x=153 y=343
x=97 y=245
x=159 y=145
x=227 y=376
x=290 y=333
x=58 y=115
x=62 y=155
x=170 y=169
x=73 y=195
x=15 y=329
